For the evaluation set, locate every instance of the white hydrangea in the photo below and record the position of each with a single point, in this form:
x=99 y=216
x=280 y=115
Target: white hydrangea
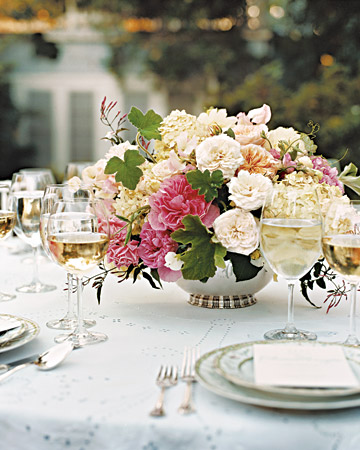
x=249 y=190
x=176 y=123
x=219 y=152
x=238 y=231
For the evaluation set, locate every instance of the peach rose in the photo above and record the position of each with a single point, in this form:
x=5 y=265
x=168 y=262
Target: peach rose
x=258 y=160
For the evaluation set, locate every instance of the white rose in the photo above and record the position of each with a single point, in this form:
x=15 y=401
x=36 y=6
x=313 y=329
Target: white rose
x=74 y=184
x=288 y=135
x=249 y=190
x=119 y=150
x=218 y=117
x=306 y=161
x=238 y=231
x=173 y=262
x=95 y=173
x=219 y=152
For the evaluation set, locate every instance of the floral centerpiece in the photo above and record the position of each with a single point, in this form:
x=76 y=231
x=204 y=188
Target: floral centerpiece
x=185 y=197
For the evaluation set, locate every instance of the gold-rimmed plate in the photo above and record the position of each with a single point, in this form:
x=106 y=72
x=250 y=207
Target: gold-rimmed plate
x=14 y=328
x=30 y=330
x=235 y=364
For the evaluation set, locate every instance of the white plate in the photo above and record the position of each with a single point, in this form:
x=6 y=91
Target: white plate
x=30 y=330
x=235 y=363
x=210 y=379
x=12 y=333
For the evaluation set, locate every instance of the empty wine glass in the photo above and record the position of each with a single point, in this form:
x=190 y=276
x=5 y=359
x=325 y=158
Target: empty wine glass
x=7 y=222
x=290 y=237
x=341 y=248
x=48 y=174
x=75 y=168
x=78 y=238
x=26 y=192
x=54 y=193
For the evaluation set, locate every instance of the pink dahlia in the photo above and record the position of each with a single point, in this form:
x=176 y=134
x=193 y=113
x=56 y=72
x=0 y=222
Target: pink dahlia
x=330 y=174
x=176 y=199
x=122 y=255
x=154 y=246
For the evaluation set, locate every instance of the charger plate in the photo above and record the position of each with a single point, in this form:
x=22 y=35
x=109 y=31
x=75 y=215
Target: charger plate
x=208 y=377
x=30 y=330
x=236 y=364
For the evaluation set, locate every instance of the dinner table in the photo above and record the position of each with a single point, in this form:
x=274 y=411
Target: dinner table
x=101 y=395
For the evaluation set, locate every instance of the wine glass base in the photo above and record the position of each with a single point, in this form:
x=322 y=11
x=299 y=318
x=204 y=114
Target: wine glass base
x=35 y=288
x=296 y=335
x=6 y=297
x=82 y=339
x=352 y=340
x=69 y=324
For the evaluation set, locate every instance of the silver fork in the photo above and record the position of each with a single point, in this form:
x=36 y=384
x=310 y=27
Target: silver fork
x=191 y=354
x=167 y=377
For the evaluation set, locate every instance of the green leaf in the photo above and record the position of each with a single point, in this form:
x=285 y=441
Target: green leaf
x=310 y=147
x=206 y=183
x=243 y=269
x=230 y=133
x=293 y=154
x=126 y=170
x=350 y=178
x=199 y=259
x=148 y=124
x=220 y=253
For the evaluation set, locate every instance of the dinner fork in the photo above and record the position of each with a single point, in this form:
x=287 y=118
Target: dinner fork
x=191 y=354
x=167 y=377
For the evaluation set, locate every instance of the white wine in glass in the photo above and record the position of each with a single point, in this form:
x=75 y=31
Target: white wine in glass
x=78 y=238
x=290 y=237
x=55 y=193
x=7 y=222
x=341 y=248
x=26 y=192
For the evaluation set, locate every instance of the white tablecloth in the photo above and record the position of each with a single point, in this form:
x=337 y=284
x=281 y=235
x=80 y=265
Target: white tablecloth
x=100 y=397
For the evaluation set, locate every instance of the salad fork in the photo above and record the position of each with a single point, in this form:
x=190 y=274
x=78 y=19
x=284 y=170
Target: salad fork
x=167 y=377
x=191 y=354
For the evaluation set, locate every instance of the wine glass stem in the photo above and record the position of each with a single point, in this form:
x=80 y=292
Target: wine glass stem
x=80 y=325
x=290 y=325
x=35 y=278
x=70 y=315
x=352 y=331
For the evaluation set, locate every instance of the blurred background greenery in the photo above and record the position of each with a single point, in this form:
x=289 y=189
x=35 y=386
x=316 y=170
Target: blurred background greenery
x=299 y=56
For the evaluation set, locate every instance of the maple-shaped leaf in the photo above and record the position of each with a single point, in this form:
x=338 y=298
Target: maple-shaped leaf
x=350 y=177
x=199 y=259
x=127 y=171
x=242 y=267
x=148 y=124
x=206 y=183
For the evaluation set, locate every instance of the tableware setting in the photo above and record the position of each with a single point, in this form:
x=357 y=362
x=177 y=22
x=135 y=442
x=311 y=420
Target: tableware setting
x=191 y=354
x=216 y=372
x=25 y=331
x=166 y=378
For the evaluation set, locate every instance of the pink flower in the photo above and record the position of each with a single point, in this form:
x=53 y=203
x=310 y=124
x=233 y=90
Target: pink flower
x=176 y=199
x=330 y=174
x=154 y=246
x=116 y=228
x=260 y=115
x=122 y=255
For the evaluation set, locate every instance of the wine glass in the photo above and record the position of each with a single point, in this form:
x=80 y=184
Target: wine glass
x=26 y=192
x=54 y=193
x=48 y=174
x=341 y=248
x=78 y=238
x=7 y=222
x=290 y=240
x=75 y=168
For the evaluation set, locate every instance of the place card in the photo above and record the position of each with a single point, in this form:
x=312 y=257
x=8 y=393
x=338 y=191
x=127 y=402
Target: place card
x=6 y=325
x=297 y=365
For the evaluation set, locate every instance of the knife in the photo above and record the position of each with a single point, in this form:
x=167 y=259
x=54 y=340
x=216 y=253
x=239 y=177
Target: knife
x=17 y=362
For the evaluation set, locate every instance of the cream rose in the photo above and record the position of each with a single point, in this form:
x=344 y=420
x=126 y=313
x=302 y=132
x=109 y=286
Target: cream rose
x=218 y=117
x=219 y=152
x=288 y=135
x=119 y=150
x=238 y=231
x=249 y=190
